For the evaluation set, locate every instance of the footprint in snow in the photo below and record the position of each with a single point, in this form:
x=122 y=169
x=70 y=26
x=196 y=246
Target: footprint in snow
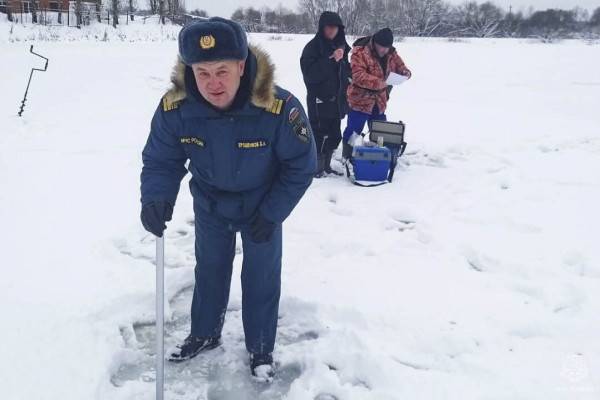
x=336 y=208
x=325 y=396
x=422 y=158
x=400 y=224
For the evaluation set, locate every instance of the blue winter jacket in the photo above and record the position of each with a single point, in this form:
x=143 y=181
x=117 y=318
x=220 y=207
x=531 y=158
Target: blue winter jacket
x=259 y=156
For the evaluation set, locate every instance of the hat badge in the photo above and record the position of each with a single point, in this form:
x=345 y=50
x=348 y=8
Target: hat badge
x=207 y=42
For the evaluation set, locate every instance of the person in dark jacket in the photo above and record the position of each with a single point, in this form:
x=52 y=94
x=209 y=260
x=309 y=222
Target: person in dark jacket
x=326 y=73
x=252 y=156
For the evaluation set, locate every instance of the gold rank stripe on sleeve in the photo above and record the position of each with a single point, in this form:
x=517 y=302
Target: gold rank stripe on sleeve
x=276 y=107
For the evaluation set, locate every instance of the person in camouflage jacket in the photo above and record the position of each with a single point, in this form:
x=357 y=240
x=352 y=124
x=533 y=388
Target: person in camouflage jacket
x=373 y=59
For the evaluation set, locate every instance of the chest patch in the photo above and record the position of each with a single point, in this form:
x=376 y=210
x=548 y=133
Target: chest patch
x=192 y=140
x=252 y=144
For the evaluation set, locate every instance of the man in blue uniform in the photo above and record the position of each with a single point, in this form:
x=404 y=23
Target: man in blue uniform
x=252 y=156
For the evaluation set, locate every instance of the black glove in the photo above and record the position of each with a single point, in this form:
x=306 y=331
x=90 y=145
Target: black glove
x=261 y=229
x=154 y=215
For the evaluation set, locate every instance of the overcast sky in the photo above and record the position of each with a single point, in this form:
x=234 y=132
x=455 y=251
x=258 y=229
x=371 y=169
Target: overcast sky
x=225 y=8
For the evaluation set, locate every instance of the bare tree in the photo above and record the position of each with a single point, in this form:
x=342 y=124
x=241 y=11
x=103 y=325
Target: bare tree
x=421 y=17
x=440 y=18
x=9 y=13
x=199 y=13
x=153 y=4
x=512 y=24
x=472 y=19
x=131 y=9
x=114 y=6
x=33 y=8
x=168 y=8
x=376 y=16
x=98 y=9
x=161 y=11
x=581 y=15
x=595 y=18
x=310 y=7
x=250 y=18
x=78 y=12
x=354 y=15
x=175 y=8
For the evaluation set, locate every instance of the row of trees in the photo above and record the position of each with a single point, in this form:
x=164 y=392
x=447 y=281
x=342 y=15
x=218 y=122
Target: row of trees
x=425 y=18
x=86 y=11
x=171 y=9
x=405 y=17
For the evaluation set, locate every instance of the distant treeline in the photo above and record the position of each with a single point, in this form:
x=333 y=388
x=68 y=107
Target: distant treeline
x=404 y=17
x=426 y=18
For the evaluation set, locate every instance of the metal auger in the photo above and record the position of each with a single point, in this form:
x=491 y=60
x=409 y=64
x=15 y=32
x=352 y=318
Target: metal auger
x=30 y=76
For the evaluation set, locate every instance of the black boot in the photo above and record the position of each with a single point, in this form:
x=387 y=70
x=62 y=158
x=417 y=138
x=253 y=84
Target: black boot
x=261 y=366
x=327 y=166
x=192 y=346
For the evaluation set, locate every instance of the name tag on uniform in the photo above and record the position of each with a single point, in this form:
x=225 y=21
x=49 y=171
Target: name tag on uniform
x=252 y=144
x=192 y=140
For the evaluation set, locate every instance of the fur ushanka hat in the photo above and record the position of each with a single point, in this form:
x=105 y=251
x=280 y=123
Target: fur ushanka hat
x=212 y=40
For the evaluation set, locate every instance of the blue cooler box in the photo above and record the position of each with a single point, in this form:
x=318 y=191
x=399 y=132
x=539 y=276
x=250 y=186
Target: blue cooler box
x=371 y=163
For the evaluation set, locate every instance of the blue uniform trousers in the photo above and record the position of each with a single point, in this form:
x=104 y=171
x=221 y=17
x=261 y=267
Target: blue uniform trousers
x=261 y=280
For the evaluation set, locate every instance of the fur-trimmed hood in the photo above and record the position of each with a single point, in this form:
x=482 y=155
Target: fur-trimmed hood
x=263 y=87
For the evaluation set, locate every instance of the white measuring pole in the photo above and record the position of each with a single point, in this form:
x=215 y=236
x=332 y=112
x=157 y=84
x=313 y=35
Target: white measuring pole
x=160 y=317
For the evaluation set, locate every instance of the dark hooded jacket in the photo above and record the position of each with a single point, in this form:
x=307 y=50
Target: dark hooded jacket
x=325 y=78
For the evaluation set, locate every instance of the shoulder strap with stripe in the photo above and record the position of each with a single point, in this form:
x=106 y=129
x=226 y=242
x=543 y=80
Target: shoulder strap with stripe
x=276 y=107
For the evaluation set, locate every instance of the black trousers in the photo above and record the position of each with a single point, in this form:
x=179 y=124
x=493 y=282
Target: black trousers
x=325 y=122
x=328 y=134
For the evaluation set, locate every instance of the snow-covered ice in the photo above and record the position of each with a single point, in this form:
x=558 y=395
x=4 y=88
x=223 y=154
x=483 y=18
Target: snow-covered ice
x=474 y=275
